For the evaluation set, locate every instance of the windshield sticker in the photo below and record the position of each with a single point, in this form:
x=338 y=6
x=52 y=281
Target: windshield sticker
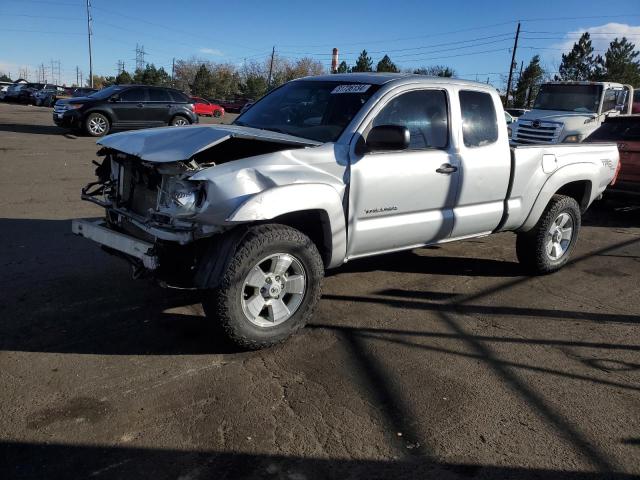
x=354 y=88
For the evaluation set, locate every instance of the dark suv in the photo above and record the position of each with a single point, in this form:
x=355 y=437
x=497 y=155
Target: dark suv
x=124 y=107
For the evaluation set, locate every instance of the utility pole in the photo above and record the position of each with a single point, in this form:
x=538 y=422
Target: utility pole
x=90 y=33
x=520 y=74
x=513 y=60
x=273 y=53
x=78 y=76
x=173 y=69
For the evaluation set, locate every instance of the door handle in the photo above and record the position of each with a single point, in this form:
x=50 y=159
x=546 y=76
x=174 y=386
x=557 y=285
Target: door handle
x=446 y=168
x=140 y=105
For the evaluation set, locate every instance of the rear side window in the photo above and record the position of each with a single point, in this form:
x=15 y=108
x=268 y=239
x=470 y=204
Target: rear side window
x=479 y=121
x=157 y=95
x=424 y=113
x=179 y=97
x=132 y=95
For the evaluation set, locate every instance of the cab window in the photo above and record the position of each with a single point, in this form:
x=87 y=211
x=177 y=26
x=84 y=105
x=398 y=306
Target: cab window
x=479 y=121
x=424 y=113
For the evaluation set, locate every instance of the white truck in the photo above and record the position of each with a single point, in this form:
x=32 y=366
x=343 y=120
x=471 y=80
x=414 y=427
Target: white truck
x=325 y=170
x=567 y=112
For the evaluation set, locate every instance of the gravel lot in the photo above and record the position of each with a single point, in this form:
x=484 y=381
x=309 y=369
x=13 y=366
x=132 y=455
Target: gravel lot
x=436 y=363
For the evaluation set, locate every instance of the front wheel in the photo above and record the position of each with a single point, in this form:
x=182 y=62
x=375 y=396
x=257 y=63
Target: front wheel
x=179 y=121
x=270 y=288
x=547 y=247
x=97 y=125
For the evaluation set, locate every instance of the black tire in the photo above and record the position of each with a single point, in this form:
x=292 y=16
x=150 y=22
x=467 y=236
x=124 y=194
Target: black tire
x=217 y=113
x=532 y=246
x=178 y=119
x=225 y=303
x=91 y=124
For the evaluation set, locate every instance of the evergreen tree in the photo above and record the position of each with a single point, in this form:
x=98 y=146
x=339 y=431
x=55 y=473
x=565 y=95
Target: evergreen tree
x=203 y=83
x=579 y=63
x=435 y=71
x=4 y=78
x=124 y=78
x=343 y=67
x=620 y=63
x=528 y=84
x=386 y=65
x=364 y=63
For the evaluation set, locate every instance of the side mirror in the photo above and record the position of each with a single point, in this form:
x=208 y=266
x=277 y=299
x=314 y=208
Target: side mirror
x=388 y=138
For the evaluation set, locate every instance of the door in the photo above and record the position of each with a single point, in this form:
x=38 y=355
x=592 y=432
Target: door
x=158 y=107
x=129 y=109
x=485 y=165
x=402 y=199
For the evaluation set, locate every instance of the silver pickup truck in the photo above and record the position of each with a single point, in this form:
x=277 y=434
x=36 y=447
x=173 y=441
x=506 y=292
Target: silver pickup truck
x=325 y=170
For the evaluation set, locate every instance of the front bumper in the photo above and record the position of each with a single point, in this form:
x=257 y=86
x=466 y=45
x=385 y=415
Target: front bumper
x=131 y=246
x=68 y=118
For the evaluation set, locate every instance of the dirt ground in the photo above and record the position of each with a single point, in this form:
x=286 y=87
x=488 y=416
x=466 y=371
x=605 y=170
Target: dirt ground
x=441 y=363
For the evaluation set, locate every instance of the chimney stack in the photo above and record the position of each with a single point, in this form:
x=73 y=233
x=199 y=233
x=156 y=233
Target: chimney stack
x=334 y=61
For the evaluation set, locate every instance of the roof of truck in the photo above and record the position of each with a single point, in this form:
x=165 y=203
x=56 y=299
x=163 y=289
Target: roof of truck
x=375 y=78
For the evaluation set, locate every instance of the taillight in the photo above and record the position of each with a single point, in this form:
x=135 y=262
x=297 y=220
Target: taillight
x=615 y=175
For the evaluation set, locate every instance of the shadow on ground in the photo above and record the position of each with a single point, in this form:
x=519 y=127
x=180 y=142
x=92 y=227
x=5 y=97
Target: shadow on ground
x=29 y=461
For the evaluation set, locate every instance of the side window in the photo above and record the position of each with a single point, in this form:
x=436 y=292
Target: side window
x=133 y=95
x=610 y=100
x=479 y=122
x=157 y=95
x=180 y=97
x=424 y=113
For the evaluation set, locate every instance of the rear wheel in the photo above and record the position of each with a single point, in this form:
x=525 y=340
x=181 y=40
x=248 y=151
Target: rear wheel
x=179 y=121
x=97 y=125
x=548 y=246
x=269 y=289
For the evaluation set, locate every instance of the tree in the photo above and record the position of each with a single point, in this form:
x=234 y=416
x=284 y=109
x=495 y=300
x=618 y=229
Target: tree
x=386 y=65
x=528 y=84
x=123 y=78
x=4 y=78
x=579 y=63
x=620 y=63
x=203 y=82
x=435 y=71
x=98 y=82
x=343 y=67
x=364 y=63
x=151 y=75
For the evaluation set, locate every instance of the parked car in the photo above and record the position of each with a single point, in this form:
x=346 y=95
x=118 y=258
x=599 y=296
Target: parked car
x=26 y=94
x=516 y=112
x=48 y=95
x=625 y=131
x=567 y=112
x=3 y=91
x=13 y=91
x=205 y=107
x=125 y=107
x=234 y=105
x=83 y=91
x=636 y=101
x=325 y=170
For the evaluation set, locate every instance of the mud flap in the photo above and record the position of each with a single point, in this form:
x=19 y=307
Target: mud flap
x=217 y=257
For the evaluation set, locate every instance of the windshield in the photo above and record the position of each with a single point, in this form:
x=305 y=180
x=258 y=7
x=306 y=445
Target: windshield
x=105 y=92
x=318 y=110
x=569 y=98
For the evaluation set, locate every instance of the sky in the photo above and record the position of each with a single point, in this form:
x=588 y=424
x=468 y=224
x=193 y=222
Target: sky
x=475 y=38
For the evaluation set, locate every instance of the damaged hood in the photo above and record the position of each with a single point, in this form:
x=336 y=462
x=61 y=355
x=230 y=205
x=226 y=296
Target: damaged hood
x=171 y=144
